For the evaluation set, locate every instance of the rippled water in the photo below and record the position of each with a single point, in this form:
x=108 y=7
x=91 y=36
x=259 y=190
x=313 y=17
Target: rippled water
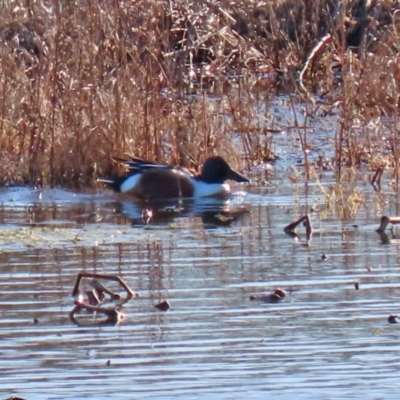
x=326 y=340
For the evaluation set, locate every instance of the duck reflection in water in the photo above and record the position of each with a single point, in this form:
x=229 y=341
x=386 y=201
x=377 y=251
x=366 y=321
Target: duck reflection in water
x=213 y=212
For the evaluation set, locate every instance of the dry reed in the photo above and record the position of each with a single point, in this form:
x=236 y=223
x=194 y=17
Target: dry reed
x=176 y=81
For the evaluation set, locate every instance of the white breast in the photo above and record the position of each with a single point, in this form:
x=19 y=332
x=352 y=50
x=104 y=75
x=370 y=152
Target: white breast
x=203 y=189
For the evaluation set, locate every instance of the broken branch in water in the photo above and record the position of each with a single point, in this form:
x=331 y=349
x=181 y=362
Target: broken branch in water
x=291 y=228
x=130 y=293
x=94 y=298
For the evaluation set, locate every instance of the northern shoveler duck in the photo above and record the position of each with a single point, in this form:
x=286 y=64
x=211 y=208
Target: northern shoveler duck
x=152 y=181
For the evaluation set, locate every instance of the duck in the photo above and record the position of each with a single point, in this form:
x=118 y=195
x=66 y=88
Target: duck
x=148 y=180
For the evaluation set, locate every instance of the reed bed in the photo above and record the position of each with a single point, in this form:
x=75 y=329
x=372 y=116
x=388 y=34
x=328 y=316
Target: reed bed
x=176 y=81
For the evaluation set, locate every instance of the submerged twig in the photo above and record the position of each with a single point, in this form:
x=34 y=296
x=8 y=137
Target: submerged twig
x=291 y=228
x=113 y=315
x=275 y=297
x=385 y=221
x=376 y=179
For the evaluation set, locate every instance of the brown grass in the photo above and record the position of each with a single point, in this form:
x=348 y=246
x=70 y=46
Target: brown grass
x=176 y=81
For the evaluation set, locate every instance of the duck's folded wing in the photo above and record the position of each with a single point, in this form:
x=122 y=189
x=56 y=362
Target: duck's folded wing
x=135 y=164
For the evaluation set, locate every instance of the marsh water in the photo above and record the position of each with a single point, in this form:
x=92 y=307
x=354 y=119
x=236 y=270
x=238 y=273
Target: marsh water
x=325 y=340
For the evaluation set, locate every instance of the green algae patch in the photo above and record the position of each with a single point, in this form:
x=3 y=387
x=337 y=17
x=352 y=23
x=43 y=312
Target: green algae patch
x=20 y=238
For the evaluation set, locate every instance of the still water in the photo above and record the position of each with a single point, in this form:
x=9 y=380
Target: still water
x=326 y=340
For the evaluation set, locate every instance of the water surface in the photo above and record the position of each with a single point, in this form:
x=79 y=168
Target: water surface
x=326 y=340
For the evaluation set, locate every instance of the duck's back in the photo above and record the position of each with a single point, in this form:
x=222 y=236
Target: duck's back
x=159 y=184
